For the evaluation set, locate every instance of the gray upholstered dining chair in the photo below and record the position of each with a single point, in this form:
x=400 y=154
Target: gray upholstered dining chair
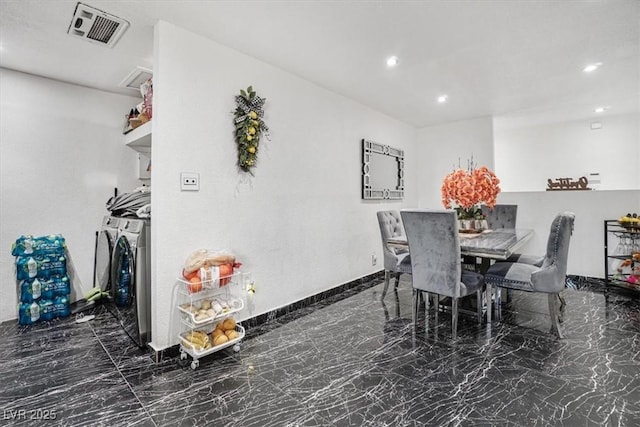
x=435 y=261
x=546 y=277
x=500 y=216
x=396 y=261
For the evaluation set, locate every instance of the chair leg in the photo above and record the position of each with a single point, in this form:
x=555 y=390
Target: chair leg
x=430 y=300
x=397 y=275
x=489 y=303
x=387 y=275
x=454 y=317
x=498 y=303
x=563 y=301
x=479 y=305
x=553 y=312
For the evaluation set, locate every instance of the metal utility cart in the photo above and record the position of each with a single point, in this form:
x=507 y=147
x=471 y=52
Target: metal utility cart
x=622 y=254
x=207 y=308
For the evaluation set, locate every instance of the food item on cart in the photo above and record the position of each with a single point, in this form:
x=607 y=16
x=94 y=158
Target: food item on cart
x=226 y=270
x=624 y=263
x=203 y=258
x=207 y=309
x=224 y=331
x=190 y=308
x=215 y=305
x=204 y=313
x=191 y=275
x=198 y=340
x=231 y=334
x=195 y=285
x=220 y=305
x=630 y=220
x=225 y=305
x=220 y=339
x=229 y=324
x=201 y=316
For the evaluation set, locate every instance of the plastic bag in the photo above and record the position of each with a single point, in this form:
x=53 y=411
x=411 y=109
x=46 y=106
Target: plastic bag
x=211 y=268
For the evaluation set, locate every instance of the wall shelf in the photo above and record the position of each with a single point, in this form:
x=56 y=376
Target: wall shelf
x=139 y=139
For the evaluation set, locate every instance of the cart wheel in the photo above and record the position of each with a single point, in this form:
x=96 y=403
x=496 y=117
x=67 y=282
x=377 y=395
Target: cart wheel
x=195 y=364
x=236 y=348
x=183 y=355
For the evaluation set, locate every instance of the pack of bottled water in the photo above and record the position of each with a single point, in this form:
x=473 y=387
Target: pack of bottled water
x=43 y=284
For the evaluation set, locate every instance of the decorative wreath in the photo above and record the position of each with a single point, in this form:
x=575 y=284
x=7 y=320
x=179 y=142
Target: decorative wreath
x=249 y=127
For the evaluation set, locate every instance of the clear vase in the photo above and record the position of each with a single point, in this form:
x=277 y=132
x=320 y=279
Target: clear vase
x=472 y=225
x=481 y=224
x=466 y=225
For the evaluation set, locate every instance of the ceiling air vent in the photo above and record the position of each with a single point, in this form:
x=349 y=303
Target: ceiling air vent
x=135 y=78
x=96 y=26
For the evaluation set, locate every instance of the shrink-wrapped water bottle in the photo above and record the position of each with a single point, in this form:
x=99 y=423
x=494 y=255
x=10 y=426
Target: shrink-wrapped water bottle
x=61 y=306
x=56 y=286
x=47 y=310
x=30 y=290
x=28 y=313
x=27 y=245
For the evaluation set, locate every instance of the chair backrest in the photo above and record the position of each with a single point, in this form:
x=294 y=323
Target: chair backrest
x=435 y=250
x=552 y=273
x=390 y=226
x=558 y=242
x=501 y=216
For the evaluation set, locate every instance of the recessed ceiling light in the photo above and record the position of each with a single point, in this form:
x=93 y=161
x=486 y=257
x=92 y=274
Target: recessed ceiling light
x=592 y=67
x=601 y=109
x=443 y=98
x=392 y=61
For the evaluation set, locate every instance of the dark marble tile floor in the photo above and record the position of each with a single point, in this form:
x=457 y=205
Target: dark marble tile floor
x=349 y=360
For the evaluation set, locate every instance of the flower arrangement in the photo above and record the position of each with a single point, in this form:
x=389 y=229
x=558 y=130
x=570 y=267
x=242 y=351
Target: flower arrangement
x=468 y=189
x=249 y=127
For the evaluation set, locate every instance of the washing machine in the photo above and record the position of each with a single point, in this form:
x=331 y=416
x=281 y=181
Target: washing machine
x=105 y=243
x=130 y=290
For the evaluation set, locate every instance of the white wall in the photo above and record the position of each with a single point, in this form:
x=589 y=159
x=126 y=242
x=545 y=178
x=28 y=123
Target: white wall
x=299 y=225
x=536 y=210
x=61 y=155
x=442 y=148
x=527 y=155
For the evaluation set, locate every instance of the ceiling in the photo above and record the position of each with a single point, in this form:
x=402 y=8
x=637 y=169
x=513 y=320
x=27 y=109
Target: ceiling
x=491 y=57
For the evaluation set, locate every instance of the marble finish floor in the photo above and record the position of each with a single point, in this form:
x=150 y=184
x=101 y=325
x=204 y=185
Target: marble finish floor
x=347 y=361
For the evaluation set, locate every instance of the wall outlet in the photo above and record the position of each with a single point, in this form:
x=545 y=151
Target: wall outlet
x=189 y=181
x=374 y=259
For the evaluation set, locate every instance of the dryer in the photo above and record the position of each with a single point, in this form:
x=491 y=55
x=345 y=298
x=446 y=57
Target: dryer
x=104 y=251
x=130 y=290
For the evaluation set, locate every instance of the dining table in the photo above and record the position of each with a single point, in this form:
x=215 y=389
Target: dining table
x=488 y=245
